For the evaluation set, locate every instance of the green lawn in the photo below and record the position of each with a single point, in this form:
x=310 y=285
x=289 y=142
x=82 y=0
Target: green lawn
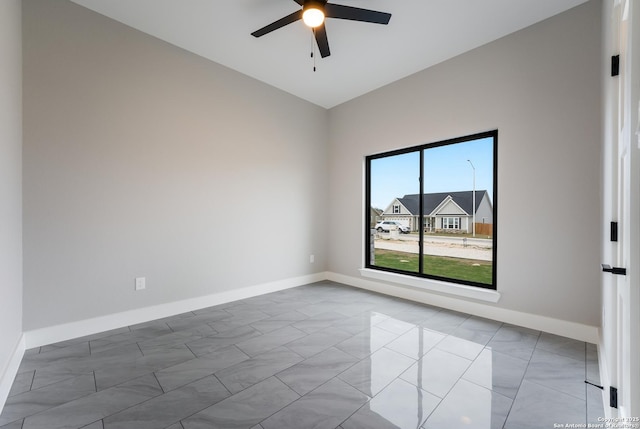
x=442 y=266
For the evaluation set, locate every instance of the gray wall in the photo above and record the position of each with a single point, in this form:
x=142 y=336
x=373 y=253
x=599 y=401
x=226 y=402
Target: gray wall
x=540 y=88
x=10 y=180
x=141 y=159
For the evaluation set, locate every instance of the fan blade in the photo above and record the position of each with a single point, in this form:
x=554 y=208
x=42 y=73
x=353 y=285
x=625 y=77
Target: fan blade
x=356 y=14
x=323 y=42
x=300 y=2
x=295 y=16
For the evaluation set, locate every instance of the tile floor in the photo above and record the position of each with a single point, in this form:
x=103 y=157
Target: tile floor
x=317 y=356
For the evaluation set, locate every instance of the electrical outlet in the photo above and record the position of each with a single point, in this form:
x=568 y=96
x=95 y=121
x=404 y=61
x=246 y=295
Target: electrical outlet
x=312 y=259
x=141 y=283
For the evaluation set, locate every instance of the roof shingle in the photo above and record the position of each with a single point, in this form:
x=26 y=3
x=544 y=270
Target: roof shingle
x=462 y=198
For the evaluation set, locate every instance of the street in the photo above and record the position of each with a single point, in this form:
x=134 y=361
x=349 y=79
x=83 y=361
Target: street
x=476 y=248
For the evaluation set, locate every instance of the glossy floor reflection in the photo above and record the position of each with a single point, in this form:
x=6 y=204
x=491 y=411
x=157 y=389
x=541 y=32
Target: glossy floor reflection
x=317 y=356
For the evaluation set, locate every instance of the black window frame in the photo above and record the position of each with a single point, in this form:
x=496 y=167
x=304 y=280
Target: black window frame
x=421 y=148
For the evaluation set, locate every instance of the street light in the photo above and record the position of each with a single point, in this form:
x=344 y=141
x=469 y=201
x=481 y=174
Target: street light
x=473 y=209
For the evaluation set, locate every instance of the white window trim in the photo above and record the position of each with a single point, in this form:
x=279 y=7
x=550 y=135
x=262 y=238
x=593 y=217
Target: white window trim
x=456 y=222
x=480 y=294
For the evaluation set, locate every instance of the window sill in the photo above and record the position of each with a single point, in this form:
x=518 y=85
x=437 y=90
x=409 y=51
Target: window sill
x=433 y=285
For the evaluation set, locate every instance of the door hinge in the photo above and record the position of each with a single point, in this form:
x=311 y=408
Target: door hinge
x=615 y=65
x=614 y=270
x=613 y=397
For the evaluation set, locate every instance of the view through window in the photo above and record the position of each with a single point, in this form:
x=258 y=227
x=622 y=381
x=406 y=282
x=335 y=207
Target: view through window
x=431 y=210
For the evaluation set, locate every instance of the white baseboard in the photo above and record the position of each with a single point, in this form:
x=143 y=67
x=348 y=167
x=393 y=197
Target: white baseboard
x=9 y=374
x=67 y=331
x=564 y=328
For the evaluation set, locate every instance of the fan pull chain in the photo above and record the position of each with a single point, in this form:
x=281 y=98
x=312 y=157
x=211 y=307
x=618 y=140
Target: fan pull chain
x=313 y=48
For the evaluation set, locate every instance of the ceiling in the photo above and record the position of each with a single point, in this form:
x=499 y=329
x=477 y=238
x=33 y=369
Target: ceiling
x=364 y=56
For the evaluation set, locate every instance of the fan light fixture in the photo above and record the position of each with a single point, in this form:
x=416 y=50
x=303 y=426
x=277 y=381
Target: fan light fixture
x=313 y=15
x=314 y=12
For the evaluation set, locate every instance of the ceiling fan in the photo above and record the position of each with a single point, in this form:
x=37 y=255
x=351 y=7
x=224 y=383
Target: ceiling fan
x=314 y=12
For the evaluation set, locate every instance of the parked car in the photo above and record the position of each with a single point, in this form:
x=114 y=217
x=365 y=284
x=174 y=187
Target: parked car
x=386 y=225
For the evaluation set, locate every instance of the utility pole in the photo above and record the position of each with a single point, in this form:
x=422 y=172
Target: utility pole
x=473 y=209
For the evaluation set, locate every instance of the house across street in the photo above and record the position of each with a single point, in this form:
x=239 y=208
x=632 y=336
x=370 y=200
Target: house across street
x=443 y=211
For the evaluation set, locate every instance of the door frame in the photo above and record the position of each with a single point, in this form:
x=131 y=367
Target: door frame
x=619 y=346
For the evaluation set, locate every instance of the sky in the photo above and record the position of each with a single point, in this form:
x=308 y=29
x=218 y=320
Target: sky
x=446 y=170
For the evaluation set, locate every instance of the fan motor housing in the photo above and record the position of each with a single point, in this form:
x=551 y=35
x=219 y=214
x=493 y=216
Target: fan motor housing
x=317 y=4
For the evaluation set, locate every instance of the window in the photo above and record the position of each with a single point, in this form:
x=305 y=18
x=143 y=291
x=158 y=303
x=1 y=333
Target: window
x=451 y=223
x=448 y=191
